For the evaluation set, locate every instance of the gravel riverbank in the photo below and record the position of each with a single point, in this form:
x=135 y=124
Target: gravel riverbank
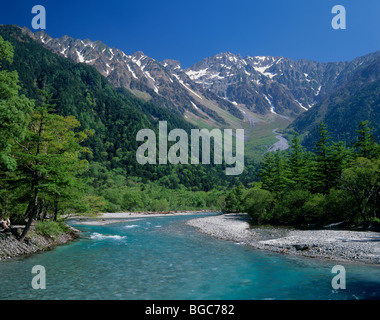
x=10 y=247
x=327 y=244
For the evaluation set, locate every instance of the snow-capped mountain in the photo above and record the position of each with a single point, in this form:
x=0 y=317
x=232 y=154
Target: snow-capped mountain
x=164 y=83
x=214 y=85
x=276 y=84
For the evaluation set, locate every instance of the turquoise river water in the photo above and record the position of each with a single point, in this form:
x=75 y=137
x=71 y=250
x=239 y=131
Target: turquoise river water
x=161 y=258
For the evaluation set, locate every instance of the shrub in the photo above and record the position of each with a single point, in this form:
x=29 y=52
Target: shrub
x=259 y=205
x=314 y=209
x=290 y=209
x=339 y=207
x=234 y=200
x=132 y=200
x=51 y=228
x=160 y=205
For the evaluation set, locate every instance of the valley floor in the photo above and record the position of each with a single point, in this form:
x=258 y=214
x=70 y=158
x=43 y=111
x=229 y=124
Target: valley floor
x=336 y=245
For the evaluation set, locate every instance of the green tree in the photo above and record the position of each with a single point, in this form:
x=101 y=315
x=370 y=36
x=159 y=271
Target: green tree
x=361 y=182
x=290 y=209
x=275 y=172
x=259 y=204
x=340 y=157
x=48 y=160
x=14 y=108
x=235 y=199
x=267 y=171
x=366 y=143
x=297 y=161
x=322 y=175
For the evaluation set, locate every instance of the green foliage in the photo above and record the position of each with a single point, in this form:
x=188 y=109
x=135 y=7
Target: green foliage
x=300 y=188
x=290 y=209
x=366 y=144
x=322 y=175
x=235 y=199
x=361 y=182
x=275 y=172
x=51 y=228
x=259 y=204
x=6 y=51
x=14 y=109
x=46 y=179
x=135 y=196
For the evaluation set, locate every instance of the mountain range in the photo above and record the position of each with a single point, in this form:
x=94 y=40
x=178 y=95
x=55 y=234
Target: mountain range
x=227 y=90
x=261 y=84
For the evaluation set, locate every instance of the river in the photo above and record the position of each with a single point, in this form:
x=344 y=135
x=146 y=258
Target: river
x=281 y=144
x=163 y=258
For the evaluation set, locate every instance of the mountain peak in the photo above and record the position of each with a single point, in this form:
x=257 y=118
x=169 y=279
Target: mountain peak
x=172 y=64
x=139 y=54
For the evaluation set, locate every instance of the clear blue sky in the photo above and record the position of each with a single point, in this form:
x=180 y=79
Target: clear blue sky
x=189 y=31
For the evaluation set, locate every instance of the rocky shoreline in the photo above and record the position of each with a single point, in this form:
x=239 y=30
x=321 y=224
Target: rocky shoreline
x=10 y=247
x=336 y=245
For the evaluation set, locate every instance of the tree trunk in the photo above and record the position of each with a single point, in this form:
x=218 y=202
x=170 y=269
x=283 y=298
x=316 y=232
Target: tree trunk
x=56 y=208
x=362 y=209
x=32 y=214
x=34 y=210
x=374 y=204
x=41 y=209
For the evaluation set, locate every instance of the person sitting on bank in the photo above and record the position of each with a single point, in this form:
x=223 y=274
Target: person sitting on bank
x=5 y=224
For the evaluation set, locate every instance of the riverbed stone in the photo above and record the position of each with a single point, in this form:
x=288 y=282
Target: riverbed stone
x=340 y=245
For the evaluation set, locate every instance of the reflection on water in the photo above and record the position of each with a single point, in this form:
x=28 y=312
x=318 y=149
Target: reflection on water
x=163 y=258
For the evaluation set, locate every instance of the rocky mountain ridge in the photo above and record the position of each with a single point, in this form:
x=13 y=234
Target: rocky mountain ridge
x=215 y=87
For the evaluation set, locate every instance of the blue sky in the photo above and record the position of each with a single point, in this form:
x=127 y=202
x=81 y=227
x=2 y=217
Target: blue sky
x=189 y=31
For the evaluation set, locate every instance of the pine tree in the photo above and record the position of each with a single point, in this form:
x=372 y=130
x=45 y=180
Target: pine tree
x=268 y=172
x=275 y=172
x=366 y=144
x=340 y=156
x=297 y=161
x=322 y=175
